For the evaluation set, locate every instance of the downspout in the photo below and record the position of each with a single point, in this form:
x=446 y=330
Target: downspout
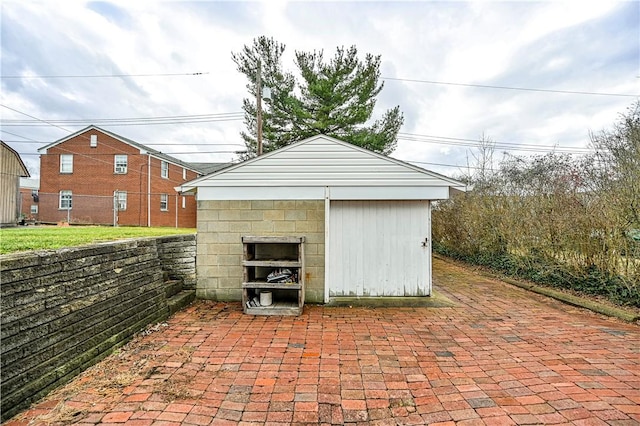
x=149 y=190
x=176 y=210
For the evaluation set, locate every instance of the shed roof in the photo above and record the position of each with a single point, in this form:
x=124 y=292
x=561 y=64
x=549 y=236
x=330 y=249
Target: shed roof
x=20 y=169
x=322 y=161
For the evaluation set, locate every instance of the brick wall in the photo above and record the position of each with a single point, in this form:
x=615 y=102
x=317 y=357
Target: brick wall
x=94 y=174
x=64 y=310
x=221 y=224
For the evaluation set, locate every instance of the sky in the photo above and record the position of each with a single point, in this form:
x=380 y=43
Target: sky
x=533 y=77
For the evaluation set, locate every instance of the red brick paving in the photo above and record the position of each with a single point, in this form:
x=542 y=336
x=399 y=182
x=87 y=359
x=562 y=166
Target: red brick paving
x=501 y=356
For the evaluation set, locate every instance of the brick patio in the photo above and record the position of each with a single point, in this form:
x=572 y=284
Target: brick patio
x=500 y=356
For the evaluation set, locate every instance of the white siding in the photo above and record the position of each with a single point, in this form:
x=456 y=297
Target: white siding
x=322 y=161
x=375 y=248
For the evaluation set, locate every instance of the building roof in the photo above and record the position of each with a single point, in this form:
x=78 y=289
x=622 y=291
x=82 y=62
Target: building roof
x=29 y=183
x=323 y=161
x=208 y=168
x=143 y=149
x=23 y=172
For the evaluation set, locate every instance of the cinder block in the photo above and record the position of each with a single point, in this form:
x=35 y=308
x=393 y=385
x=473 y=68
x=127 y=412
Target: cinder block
x=284 y=227
x=218 y=226
x=261 y=204
x=228 y=259
x=317 y=215
x=306 y=226
x=315 y=238
x=295 y=215
x=307 y=204
x=205 y=293
x=314 y=296
x=262 y=227
x=239 y=226
x=229 y=283
x=284 y=205
x=229 y=238
x=314 y=260
x=229 y=294
x=239 y=204
x=273 y=215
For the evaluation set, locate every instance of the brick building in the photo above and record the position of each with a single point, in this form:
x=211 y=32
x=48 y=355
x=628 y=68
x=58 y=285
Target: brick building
x=29 y=200
x=95 y=176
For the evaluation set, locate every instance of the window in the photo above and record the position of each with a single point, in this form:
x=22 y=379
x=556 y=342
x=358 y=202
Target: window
x=164 y=202
x=94 y=141
x=35 y=196
x=120 y=164
x=184 y=202
x=164 y=169
x=66 y=198
x=66 y=163
x=34 y=209
x=184 y=174
x=120 y=200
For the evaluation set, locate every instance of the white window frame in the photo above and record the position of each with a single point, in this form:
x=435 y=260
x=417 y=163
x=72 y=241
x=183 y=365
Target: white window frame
x=121 y=200
x=118 y=161
x=65 y=200
x=184 y=202
x=66 y=163
x=164 y=169
x=184 y=174
x=34 y=209
x=164 y=202
x=93 y=141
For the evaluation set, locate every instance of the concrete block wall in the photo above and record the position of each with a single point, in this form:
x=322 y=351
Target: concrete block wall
x=221 y=224
x=62 y=311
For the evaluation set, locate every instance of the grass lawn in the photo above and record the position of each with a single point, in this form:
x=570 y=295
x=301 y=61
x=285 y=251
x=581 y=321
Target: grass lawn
x=53 y=237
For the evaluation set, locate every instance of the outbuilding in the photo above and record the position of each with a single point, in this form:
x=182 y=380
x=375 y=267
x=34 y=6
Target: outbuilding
x=365 y=219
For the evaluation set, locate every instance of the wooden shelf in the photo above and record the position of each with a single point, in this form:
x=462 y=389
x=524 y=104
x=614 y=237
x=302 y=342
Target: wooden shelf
x=275 y=286
x=273 y=263
x=263 y=254
x=277 y=308
x=272 y=240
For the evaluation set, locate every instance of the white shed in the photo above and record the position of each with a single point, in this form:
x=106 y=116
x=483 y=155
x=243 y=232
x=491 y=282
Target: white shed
x=366 y=219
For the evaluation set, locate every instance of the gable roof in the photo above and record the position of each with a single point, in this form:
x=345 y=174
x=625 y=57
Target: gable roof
x=143 y=148
x=208 y=168
x=322 y=161
x=23 y=172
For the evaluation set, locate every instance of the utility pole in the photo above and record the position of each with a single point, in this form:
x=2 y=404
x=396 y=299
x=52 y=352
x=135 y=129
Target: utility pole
x=259 y=108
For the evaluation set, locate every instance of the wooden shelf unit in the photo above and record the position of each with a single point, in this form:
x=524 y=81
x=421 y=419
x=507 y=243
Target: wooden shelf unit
x=262 y=255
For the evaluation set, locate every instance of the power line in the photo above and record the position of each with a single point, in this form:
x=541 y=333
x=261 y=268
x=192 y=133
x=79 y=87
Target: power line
x=491 y=144
x=131 y=119
x=146 y=143
x=112 y=154
x=484 y=86
x=29 y=140
x=87 y=139
x=105 y=75
x=529 y=89
x=442 y=164
x=118 y=124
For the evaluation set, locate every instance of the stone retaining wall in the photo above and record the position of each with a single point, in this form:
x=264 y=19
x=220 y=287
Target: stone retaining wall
x=177 y=255
x=62 y=311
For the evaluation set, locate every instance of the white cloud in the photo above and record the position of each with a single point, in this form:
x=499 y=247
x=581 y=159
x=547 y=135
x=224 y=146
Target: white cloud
x=575 y=45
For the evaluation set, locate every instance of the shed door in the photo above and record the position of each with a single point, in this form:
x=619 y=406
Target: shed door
x=376 y=248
